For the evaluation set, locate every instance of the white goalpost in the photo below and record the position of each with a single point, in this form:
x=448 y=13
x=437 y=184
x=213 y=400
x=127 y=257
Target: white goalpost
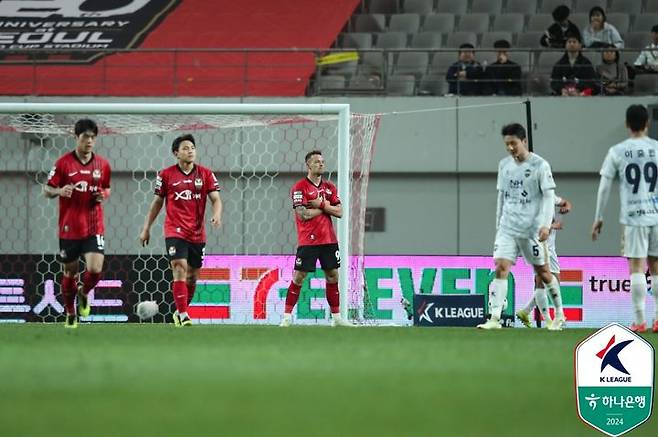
x=257 y=153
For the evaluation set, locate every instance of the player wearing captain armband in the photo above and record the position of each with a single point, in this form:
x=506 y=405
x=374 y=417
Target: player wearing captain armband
x=523 y=219
x=540 y=297
x=184 y=188
x=81 y=180
x=635 y=162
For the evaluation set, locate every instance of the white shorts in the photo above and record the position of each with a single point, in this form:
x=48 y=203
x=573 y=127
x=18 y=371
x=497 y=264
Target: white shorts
x=640 y=241
x=553 y=261
x=509 y=248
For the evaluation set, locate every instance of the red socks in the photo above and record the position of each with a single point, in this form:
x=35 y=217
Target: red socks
x=69 y=288
x=333 y=297
x=89 y=281
x=292 y=297
x=179 y=291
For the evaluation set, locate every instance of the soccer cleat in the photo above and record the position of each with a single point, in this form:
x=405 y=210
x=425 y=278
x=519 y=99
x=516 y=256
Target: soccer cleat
x=490 y=324
x=654 y=328
x=524 y=317
x=641 y=328
x=71 y=321
x=84 y=309
x=338 y=321
x=286 y=321
x=557 y=324
x=176 y=318
x=185 y=321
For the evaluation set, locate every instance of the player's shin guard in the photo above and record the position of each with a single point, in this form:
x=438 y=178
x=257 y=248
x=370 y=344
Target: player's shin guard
x=638 y=294
x=89 y=281
x=179 y=290
x=541 y=297
x=556 y=297
x=69 y=289
x=191 y=289
x=497 y=296
x=292 y=297
x=333 y=297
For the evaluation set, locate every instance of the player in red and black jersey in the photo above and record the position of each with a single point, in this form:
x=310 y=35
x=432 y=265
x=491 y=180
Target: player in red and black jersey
x=315 y=202
x=184 y=188
x=81 y=180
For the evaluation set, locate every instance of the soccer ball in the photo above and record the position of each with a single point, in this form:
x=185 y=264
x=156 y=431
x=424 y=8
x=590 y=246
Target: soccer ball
x=147 y=309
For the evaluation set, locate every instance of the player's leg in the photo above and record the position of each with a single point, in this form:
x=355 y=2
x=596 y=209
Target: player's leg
x=194 y=262
x=69 y=252
x=177 y=250
x=652 y=251
x=305 y=261
x=93 y=251
x=505 y=253
x=329 y=256
x=636 y=247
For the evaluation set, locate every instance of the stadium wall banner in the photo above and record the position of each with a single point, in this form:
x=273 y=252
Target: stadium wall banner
x=64 y=26
x=251 y=289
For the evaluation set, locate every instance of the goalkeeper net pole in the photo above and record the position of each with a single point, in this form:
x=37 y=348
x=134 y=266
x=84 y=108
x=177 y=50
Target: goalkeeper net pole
x=256 y=150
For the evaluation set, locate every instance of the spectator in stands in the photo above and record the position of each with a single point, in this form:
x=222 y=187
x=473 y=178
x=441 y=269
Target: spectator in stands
x=503 y=77
x=555 y=35
x=573 y=74
x=613 y=76
x=647 y=62
x=599 y=32
x=465 y=75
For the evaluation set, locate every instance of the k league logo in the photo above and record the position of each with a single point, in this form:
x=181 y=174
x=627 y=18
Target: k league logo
x=614 y=380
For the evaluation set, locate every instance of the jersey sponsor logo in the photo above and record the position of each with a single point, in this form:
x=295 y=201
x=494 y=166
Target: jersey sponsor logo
x=70 y=25
x=85 y=172
x=186 y=195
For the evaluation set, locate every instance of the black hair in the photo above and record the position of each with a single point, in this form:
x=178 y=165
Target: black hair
x=597 y=9
x=502 y=44
x=466 y=45
x=610 y=48
x=311 y=153
x=573 y=35
x=561 y=13
x=655 y=28
x=85 y=124
x=176 y=144
x=637 y=117
x=513 y=129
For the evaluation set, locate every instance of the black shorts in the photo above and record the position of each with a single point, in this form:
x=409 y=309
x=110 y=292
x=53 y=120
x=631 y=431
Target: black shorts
x=71 y=250
x=177 y=248
x=307 y=257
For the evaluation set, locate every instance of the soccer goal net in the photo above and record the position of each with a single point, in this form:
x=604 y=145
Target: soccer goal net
x=257 y=153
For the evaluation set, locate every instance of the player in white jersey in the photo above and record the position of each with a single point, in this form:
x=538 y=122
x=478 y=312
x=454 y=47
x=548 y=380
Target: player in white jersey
x=635 y=162
x=540 y=297
x=523 y=218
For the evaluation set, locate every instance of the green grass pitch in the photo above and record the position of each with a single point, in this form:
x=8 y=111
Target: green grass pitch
x=155 y=380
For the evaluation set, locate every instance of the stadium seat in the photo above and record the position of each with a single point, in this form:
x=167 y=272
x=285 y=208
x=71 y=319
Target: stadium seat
x=636 y=40
x=391 y=40
x=491 y=7
x=583 y=6
x=456 y=39
x=409 y=23
x=529 y=40
x=476 y=23
x=457 y=7
x=373 y=62
x=646 y=84
x=581 y=20
x=427 y=40
x=383 y=6
x=365 y=81
x=513 y=22
x=442 y=61
x=631 y=7
x=652 y=6
x=628 y=57
x=401 y=85
x=368 y=23
x=357 y=40
x=538 y=84
x=620 y=20
x=414 y=63
x=331 y=83
x=422 y=7
x=547 y=6
x=644 y=23
x=547 y=59
x=526 y=7
x=433 y=85
x=444 y=23
x=489 y=38
x=539 y=22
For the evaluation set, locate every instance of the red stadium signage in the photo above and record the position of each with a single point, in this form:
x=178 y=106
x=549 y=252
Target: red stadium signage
x=75 y=30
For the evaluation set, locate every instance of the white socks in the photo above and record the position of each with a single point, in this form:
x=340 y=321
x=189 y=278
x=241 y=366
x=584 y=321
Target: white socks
x=638 y=293
x=541 y=297
x=183 y=315
x=531 y=305
x=556 y=296
x=654 y=291
x=497 y=295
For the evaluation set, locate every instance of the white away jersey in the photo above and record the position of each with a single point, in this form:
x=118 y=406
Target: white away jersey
x=634 y=161
x=523 y=185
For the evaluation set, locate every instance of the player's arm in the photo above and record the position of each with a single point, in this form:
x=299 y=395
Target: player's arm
x=305 y=213
x=52 y=192
x=216 y=201
x=605 y=186
x=324 y=206
x=564 y=204
x=499 y=206
x=154 y=210
x=546 y=213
